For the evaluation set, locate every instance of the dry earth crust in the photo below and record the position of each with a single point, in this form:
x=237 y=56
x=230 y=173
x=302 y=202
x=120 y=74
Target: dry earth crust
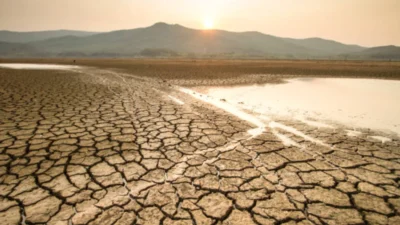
x=101 y=147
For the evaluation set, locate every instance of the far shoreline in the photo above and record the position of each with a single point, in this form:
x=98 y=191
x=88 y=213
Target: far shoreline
x=226 y=72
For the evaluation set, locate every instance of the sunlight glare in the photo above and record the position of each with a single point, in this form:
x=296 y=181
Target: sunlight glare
x=208 y=23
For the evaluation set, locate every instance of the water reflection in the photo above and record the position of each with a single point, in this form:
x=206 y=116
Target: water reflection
x=368 y=103
x=37 y=66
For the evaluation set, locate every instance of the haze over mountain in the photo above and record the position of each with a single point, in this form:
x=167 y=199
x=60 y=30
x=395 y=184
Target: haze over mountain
x=381 y=52
x=24 y=37
x=165 y=40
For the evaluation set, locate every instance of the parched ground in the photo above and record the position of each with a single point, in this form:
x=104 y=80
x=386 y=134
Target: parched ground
x=207 y=72
x=102 y=147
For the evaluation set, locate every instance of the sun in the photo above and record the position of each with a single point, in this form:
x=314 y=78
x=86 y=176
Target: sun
x=208 y=23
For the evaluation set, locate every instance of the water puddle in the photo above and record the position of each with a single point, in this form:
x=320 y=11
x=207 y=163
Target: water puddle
x=366 y=103
x=33 y=66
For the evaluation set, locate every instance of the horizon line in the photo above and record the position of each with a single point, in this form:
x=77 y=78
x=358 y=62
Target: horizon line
x=215 y=29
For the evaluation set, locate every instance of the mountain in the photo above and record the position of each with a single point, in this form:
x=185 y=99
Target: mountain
x=18 y=50
x=176 y=38
x=25 y=37
x=163 y=39
x=382 y=53
x=326 y=46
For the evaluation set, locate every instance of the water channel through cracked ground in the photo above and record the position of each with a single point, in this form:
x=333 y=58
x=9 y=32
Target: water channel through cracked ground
x=93 y=146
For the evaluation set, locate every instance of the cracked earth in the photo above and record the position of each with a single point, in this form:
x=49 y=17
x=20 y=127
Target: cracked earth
x=100 y=147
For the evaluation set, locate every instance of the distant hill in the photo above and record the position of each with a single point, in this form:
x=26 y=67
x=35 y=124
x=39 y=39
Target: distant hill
x=326 y=46
x=25 y=37
x=176 y=38
x=381 y=53
x=18 y=50
x=164 y=40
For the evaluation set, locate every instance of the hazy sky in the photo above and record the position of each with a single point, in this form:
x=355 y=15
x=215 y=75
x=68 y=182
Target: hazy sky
x=364 y=22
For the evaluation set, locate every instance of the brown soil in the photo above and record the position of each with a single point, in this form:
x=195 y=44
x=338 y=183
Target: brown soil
x=99 y=147
x=190 y=72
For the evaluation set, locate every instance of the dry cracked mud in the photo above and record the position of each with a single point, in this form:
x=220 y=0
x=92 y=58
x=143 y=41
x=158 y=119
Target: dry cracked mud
x=100 y=147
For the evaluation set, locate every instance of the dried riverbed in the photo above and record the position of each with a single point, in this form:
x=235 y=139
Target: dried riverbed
x=95 y=146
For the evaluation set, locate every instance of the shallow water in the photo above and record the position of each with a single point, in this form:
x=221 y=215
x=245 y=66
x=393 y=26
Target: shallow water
x=366 y=103
x=37 y=66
